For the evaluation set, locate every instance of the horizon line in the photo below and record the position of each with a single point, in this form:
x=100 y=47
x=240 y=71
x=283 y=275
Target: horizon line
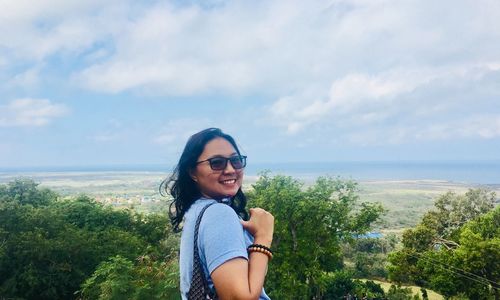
x=135 y=166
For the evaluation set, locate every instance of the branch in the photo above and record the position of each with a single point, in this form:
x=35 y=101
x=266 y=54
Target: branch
x=447 y=243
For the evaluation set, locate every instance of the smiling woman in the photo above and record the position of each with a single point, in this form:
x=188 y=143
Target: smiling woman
x=221 y=255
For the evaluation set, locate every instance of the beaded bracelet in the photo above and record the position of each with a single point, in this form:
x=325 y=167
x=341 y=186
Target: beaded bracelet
x=260 y=248
x=253 y=249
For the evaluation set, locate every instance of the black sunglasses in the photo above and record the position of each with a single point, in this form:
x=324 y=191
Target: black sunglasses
x=220 y=163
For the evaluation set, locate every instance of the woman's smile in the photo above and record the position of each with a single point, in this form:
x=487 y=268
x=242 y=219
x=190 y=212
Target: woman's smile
x=229 y=181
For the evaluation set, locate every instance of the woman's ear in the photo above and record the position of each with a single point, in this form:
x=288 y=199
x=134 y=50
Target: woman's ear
x=193 y=176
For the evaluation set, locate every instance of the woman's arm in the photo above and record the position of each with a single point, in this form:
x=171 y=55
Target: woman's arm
x=242 y=279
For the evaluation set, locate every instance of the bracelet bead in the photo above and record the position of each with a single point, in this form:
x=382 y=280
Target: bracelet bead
x=259 y=246
x=254 y=248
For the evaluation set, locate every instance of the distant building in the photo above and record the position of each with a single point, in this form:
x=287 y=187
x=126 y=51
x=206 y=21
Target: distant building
x=369 y=235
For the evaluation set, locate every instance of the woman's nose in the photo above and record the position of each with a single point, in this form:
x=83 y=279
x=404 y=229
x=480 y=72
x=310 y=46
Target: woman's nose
x=229 y=168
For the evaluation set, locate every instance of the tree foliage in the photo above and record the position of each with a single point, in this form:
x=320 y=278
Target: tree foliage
x=119 y=278
x=52 y=248
x=455 y=249
x=310 y=224
x=26 y=192
x=453 y=210
x=367 y=257
x=49 y=246
x=341 y=285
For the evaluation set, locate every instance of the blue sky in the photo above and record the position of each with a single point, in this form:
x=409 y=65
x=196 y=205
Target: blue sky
x=120 y=82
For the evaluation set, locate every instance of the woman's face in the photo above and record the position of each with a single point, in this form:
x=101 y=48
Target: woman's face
x=217 y=184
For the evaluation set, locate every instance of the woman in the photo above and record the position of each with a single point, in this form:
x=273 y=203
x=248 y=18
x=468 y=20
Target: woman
x=210 y=170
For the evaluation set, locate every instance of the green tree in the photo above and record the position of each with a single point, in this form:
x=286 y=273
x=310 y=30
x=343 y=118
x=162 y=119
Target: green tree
x=455 y=249
x=367 y=257
x=310 y=225
x=49 y=246
x=26 y=192
x=119 y=278
x=340 y=284
x=479 y=253
x=452 y=210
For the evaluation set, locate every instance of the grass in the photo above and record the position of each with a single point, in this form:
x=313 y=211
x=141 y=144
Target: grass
x=406 y=200
x=415 y=289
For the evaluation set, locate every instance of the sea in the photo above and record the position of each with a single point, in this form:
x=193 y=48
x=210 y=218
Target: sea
x=471 y=172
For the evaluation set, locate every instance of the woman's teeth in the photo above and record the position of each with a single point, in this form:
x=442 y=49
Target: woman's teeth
x=229 y=181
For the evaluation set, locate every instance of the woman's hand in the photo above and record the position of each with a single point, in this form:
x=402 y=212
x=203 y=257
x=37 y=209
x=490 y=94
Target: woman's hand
x=260 y=225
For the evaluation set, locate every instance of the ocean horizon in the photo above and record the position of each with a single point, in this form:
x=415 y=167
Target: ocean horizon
x=475 y=172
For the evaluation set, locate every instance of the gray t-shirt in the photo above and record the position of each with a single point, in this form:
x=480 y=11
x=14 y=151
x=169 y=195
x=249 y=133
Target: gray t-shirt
x=221 y=237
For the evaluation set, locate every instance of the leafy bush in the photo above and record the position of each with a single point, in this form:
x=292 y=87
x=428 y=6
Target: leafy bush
x=48 y=246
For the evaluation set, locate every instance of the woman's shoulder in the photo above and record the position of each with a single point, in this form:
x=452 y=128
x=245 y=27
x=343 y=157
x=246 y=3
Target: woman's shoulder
x=220 y=210
x=216 y=214
x=214 y=209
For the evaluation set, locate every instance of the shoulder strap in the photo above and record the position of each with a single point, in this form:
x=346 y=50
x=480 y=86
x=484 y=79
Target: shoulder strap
x=199 y=286
x=197 y=227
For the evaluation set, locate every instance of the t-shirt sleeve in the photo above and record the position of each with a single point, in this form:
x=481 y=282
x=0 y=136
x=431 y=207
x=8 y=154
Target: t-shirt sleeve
x=221 y=236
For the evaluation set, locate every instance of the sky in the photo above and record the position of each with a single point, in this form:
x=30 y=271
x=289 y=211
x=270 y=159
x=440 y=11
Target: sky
x=88 y=83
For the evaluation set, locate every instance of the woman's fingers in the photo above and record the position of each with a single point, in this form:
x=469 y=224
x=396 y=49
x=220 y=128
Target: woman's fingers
x=261 y=223
x=257 y=210
x=245 y=223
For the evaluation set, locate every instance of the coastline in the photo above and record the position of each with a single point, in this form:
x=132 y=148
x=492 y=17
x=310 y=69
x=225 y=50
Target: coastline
x=147 y=179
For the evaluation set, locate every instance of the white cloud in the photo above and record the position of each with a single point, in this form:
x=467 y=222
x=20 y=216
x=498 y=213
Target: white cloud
x=275 y=47
x=33 y=31
x=351 y=66
x=485 y=126
x=406 y=100
x=165 y=138
x=176 y=132
x=30 y=112
x=114 y=131
x=236 y=47
x=361 y=95
x=26 y=78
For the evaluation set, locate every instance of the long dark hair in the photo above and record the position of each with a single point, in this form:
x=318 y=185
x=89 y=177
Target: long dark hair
x=184 y=189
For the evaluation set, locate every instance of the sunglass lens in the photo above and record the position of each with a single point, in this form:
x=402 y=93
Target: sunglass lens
x=237 y=162
x=218 y=163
